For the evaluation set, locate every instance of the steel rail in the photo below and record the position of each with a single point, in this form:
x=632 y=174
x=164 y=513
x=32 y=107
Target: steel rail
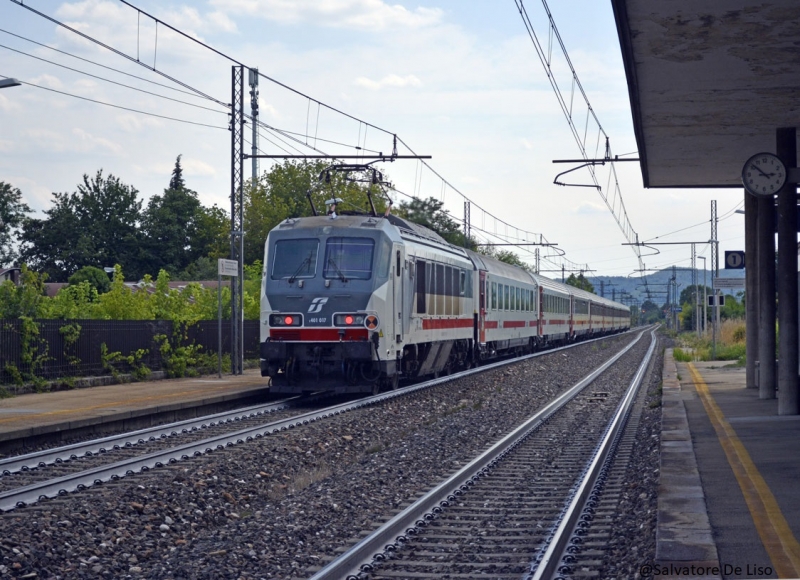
x=375 y=547
x=547 y=565
x=33 y=493
x=88 y=448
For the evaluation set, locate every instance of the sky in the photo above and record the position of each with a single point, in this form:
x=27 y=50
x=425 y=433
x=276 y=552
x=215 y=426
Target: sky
x=459 y=80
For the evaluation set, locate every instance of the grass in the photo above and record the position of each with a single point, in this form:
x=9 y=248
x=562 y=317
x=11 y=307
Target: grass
x=730 y=344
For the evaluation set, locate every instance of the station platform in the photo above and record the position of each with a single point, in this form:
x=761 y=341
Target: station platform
x=729 y=498
x=28 y=418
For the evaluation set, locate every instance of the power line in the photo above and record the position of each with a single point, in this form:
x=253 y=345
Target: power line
x=616 y=205
x=119 y=52
x=120 y=106
x=114 y=82
x=287 y=135
x=193 y=94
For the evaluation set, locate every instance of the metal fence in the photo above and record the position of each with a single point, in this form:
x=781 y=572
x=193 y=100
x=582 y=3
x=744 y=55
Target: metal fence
x=72 y=348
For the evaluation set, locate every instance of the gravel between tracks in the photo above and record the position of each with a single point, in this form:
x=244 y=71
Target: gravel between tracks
x=275 y=507
x=634 y=544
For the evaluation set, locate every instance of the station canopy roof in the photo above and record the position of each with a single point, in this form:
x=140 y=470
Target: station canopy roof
x=709 y=82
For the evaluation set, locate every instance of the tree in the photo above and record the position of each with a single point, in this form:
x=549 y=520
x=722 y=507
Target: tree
x=690 y=293
x=96 y=278
x=283 y=193
x=429 y=213
x=177 y=182
x=651 y=312
x=171 y=226
x=506 y=256
x=580 y=281
x=27 y=299
x=12 y=215
x=95 y=226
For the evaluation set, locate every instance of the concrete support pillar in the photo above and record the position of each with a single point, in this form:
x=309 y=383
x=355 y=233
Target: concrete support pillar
x=751 y=286
x=766 y=297
x=787 y=278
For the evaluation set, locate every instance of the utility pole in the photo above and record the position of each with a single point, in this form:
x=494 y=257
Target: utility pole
x=674 y=300
x=237 y=216
x=467 y=231
x=694 y=284
x=714 y=276
x=253 y=78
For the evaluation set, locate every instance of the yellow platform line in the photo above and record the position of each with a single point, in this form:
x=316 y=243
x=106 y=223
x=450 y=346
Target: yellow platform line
x=772 y=527
x=122 y=402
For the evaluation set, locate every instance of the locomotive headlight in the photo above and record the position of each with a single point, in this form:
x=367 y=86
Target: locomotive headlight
x=353 y=319
x=286 y=320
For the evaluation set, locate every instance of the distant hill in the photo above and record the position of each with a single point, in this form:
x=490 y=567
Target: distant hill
x=614 y=286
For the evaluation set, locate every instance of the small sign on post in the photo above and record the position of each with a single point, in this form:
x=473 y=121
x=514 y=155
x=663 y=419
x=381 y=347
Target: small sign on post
x=720 y=283
x=734 y=260
x=224 y=268
x=228 y=267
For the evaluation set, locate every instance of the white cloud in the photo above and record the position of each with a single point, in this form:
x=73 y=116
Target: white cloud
x=590 y=208
x=7 y=105
x=92 y=141
x=196 y=167
x=134 y=123
x=354 y=14
x=265 y=107
x=48 y=81
x=190 y=166
x=389 y=81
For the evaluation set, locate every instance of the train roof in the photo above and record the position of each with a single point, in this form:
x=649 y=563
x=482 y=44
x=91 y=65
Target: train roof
x=494 y=266
x=363 y=220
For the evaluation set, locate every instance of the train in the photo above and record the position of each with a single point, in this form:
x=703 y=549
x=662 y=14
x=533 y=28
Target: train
x=354 y=303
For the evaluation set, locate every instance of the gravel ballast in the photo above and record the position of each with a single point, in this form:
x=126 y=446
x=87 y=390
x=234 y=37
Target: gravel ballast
x=278 y=506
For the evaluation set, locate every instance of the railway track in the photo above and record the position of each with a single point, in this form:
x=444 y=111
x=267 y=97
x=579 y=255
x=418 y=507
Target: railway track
x=30 y=478
x=531 y=505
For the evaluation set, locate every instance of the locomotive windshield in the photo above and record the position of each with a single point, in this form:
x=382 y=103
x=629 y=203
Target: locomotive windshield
x=295 y=259
x=348 y=258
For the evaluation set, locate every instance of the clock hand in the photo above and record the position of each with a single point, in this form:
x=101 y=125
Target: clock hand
x=761 y=171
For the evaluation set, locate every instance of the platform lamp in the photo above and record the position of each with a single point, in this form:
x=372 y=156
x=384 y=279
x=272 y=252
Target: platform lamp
x=5 y=83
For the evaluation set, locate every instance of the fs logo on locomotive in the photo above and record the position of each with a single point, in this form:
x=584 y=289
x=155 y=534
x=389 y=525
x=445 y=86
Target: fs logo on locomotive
x=316 y=305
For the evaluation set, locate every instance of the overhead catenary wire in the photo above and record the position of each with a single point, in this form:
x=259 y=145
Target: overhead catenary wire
x=116 y=70
x=118 y=52
x=130 y=109
x=288 y=136
x=115 y=82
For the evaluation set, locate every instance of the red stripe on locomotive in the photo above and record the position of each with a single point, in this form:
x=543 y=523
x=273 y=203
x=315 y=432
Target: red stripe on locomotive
x=318 y=334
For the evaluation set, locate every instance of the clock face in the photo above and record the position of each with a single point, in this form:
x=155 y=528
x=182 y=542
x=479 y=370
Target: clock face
x=764 y=174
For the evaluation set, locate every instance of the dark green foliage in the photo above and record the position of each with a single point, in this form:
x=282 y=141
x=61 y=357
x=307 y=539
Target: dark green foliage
x=172 y=227
x=177 y=182
x=12 y=215
x=94 y=276
x=429 y=213
x=506 y=256
x=580 y=281
x=25 y=299
x=96 y=225
x=282 y=193
x=651 y=312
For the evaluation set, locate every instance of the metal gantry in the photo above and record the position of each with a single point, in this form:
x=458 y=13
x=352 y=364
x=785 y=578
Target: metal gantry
x=237 y=216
